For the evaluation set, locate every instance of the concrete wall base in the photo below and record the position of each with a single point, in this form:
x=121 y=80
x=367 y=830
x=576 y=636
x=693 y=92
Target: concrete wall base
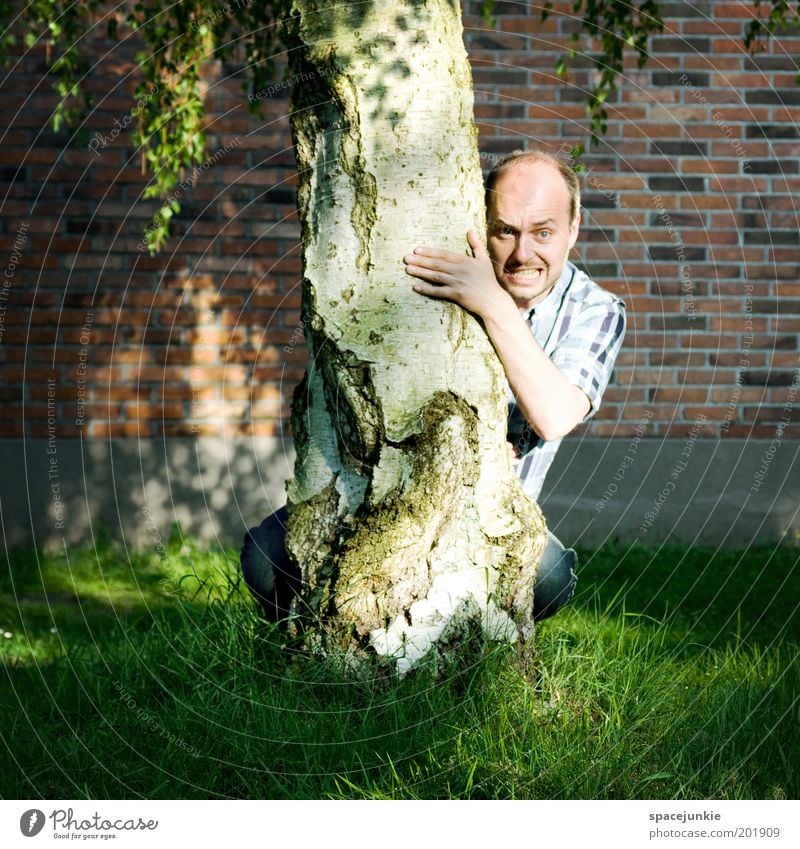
x=730 y=493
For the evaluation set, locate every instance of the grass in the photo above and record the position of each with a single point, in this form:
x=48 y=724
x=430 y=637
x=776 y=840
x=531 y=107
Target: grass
x=673 y=674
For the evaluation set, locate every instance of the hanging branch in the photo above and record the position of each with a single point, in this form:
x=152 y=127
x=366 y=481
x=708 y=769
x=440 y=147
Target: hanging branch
x=618 y=26
x=781 y=17
x=168 y=114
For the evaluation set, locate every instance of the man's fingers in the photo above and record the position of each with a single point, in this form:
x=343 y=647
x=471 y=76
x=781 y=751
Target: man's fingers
x=432 y=253
x=432 y=290
x=429 y=273
x=432 y=263
x=433 y=269
x=478 y=248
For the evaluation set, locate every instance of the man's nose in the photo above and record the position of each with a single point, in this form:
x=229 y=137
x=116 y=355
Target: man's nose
x=524 y=248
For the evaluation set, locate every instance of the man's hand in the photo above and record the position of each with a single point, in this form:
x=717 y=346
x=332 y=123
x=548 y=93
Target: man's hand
x=513 y=455
x=549 y=402
x=468 y=281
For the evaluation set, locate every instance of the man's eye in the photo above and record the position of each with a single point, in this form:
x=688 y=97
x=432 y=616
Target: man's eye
x=505 y=231
x=544 y=234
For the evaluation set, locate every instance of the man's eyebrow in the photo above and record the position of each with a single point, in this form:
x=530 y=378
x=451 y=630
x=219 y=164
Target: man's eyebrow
x=545 y=222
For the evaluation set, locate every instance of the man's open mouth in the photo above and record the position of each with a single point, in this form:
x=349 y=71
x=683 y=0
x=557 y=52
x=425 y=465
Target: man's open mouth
x=526 y=275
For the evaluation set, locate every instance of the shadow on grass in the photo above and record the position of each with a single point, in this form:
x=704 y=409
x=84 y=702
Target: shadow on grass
x=663 y=679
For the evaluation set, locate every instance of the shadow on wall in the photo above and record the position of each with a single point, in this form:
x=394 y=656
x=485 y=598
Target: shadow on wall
x=730 y=493
x=215 y=488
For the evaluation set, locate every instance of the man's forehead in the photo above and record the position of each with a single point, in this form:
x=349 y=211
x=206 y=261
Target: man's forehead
x=535 y=188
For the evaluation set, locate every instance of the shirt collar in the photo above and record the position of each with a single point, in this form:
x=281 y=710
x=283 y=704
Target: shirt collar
x=553 y=298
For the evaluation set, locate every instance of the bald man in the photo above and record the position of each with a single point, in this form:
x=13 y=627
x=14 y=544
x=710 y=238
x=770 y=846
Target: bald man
x=556 y=332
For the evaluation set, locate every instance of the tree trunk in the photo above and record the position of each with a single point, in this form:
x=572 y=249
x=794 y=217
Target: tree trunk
x=405 y=515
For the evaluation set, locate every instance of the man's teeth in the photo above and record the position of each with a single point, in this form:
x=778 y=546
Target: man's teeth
x=528 y=273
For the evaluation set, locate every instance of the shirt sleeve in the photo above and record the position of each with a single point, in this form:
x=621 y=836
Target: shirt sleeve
x=588 y=347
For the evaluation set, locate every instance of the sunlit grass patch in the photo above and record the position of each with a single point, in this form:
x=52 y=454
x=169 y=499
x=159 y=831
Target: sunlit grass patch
x=49 y=602
x=672 y=674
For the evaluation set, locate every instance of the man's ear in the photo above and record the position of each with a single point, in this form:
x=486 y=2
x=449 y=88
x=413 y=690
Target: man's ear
x=573 y=229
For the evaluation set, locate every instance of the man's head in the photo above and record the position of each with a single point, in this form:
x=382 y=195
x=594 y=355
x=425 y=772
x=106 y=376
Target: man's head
x=533 y=215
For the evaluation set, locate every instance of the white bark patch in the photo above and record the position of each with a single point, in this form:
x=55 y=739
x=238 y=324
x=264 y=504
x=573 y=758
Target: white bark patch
x=452 y=601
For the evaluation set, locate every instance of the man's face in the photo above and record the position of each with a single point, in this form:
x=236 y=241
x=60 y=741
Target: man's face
x=530 y=231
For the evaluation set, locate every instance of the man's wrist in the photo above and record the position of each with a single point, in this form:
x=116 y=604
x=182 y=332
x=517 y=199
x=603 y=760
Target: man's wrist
x=501 y=312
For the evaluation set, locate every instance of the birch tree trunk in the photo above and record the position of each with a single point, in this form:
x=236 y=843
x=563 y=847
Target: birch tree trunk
x=404 y=513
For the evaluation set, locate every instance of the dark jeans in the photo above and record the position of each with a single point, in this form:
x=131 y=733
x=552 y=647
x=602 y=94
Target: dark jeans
x=273 y=580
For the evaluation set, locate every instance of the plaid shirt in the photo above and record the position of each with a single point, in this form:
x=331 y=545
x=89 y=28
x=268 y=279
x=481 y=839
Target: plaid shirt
x=580 y=327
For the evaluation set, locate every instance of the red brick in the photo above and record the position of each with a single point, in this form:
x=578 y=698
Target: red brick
x=264 y=428
x=155 y=412
x=121 y=393
x=678 y=358
x=13 y=430
x=645 y=376
x=617 y=395
x=158 y=374
x=782 y=394
x=707 y=201
x=713 y=414
x=707 y=166
x=121 y=429
x=742 y=359
x=747 y=431
x=185 y=392
x=616 y=429
x=783 y=359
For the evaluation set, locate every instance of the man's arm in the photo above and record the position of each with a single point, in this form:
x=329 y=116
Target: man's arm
x=550 y=403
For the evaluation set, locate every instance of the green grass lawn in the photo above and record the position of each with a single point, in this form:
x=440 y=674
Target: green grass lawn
x=673 y=674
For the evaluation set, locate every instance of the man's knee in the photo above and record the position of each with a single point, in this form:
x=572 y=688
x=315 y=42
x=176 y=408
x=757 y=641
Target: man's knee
x=556 y=579
x=267 y=570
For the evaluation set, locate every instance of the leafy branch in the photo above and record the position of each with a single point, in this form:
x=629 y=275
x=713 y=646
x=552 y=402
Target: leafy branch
x=618 y=26
x=781 y=16
x=178 y=37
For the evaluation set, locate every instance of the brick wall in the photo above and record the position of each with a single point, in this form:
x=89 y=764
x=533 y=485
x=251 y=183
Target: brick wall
x=690 y=213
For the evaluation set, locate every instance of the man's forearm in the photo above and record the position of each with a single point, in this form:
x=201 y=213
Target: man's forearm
x=550 y=403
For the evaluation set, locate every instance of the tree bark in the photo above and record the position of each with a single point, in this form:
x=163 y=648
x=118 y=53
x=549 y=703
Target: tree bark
x=405 y=516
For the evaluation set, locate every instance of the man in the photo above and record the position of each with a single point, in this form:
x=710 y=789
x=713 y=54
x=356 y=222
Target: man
x=556 y=333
